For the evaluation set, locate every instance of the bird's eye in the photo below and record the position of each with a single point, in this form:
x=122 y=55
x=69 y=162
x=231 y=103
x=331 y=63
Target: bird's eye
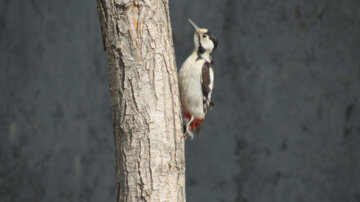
x=204 y=35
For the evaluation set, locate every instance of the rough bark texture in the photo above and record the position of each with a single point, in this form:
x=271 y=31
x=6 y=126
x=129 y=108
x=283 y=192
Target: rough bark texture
x=144 y=97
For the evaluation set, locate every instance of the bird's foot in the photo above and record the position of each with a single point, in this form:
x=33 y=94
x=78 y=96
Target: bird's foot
x=189 y=134
x=186 y=129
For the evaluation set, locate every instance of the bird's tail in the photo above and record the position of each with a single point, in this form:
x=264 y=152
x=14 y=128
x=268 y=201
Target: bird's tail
x=196 y=124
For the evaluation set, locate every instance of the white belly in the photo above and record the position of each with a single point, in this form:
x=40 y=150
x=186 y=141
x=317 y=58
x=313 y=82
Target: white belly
x=190 y=87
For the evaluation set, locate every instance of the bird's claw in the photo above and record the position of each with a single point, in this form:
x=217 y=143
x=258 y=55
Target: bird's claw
x=189 y=134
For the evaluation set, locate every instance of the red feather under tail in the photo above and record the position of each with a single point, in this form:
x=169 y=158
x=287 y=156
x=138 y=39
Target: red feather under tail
x=196 y=124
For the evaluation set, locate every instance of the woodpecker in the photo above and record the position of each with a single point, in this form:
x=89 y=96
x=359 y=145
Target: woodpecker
x=196 y=80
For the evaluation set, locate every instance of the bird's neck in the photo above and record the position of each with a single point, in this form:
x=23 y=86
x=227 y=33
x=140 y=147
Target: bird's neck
x=206 y=55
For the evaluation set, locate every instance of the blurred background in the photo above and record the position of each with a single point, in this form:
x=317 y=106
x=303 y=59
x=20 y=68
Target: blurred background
x=286 y=127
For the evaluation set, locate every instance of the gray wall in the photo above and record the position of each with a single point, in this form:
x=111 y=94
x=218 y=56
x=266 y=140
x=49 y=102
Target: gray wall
x=286 y=125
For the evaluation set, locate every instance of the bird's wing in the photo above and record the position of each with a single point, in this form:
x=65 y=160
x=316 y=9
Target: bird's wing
x=206 y=84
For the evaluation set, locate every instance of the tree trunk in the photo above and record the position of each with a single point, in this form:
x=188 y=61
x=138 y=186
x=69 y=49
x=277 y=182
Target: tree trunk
x=150 y=162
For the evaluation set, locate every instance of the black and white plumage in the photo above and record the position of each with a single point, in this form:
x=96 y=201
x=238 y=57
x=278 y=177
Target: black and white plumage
x=196 y=80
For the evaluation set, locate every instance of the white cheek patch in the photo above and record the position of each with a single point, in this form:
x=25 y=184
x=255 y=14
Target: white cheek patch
x=207 y=44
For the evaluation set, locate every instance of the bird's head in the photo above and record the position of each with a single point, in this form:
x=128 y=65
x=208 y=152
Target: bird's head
x=204 y=40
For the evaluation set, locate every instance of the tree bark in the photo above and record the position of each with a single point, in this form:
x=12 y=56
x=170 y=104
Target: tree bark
x=150 y=161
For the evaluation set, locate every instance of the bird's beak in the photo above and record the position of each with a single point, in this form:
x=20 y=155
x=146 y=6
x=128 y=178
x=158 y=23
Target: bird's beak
x=197 y=29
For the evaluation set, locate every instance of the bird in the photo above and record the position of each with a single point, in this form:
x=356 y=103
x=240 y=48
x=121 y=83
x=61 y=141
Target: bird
x=196 y=80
